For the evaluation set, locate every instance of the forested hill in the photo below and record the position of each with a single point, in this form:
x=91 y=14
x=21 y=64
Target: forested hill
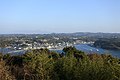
x=111 y=43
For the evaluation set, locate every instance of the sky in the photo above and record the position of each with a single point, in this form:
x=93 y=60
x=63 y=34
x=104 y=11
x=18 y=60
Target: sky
x=59 y=16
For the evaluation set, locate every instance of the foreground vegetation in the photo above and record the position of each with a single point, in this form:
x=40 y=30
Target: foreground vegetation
x=72 y=64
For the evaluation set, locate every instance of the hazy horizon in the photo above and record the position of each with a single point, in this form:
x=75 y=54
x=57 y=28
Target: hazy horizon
x=61 y=16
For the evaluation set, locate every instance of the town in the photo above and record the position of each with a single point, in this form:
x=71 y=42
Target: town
x=22 y=42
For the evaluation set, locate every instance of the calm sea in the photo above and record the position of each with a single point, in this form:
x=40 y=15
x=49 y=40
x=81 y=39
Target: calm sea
x=83 y=47
x=88 y=49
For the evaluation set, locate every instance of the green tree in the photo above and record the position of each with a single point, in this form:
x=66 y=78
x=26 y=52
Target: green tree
x=37 y=66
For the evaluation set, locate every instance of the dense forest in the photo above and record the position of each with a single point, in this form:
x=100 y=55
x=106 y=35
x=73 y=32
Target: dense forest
x=72 y=64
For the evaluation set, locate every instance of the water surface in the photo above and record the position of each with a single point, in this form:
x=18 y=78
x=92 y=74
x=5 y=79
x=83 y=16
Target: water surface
x=83 y=47
x=89 y=49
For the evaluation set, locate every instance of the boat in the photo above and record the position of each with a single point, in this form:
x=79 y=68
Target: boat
x=97 y=49
x=91 y=50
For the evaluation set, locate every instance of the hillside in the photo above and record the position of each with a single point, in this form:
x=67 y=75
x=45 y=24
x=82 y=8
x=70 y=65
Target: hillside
x=113 y=44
